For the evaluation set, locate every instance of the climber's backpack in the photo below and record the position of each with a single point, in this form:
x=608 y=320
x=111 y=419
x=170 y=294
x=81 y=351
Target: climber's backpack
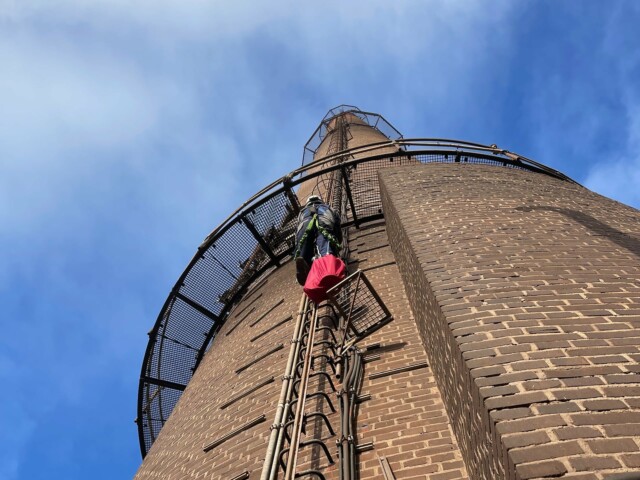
x=325 y=273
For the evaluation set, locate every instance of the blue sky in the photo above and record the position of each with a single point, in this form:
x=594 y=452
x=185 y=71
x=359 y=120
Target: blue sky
x=129 y=130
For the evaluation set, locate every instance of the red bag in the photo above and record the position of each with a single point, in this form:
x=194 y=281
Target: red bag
x=325 y=273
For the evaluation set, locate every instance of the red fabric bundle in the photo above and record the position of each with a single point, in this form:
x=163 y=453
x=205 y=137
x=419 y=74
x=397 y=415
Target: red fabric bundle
x=325 y=273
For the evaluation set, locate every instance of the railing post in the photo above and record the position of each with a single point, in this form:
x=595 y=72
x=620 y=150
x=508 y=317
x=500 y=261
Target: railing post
x=206 y=312
x=347 y=187
x=267 y=249
x=288 y=191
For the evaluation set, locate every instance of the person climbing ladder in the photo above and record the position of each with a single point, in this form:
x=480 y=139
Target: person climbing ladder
x=318 y=234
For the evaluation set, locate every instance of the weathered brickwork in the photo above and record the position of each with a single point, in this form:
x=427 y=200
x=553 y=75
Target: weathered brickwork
x=405 y=418
x=526 y=291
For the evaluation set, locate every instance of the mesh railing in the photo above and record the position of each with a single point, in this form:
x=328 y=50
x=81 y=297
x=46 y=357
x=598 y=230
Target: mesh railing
x=258 y=237
x=371 y=119
x=359 y=306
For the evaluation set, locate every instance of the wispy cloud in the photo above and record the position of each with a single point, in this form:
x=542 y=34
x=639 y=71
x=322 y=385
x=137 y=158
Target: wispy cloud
x=618 y=176
x=617 y=173
x=578 y=101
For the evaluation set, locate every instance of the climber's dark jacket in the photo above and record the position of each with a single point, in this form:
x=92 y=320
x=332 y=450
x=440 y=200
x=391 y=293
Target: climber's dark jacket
x=318 y=225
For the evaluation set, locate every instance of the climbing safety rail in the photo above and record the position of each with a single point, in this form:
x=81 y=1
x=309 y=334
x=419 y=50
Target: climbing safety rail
x=258 y=237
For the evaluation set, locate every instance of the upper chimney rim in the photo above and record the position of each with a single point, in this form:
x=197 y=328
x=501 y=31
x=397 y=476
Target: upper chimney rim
x=374 y=120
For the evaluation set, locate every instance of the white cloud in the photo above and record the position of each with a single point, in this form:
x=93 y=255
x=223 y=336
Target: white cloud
x=187 y=20
x=65 y=91
x=617 y=174
x=62 y=107
x=118 y=82
x=13 y=435
x=619 y=177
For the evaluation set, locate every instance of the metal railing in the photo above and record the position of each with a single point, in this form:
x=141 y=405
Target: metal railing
x=360 y=307
x=374 y=120
x=258 y=237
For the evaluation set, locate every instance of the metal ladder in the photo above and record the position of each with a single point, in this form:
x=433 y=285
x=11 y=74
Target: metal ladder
x=307 y=359
x=298 y=416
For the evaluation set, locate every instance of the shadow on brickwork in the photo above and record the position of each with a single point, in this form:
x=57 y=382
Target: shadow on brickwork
x=625 y=240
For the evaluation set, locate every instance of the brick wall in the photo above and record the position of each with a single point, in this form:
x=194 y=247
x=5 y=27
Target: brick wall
x=526 y=292
x=405 y=418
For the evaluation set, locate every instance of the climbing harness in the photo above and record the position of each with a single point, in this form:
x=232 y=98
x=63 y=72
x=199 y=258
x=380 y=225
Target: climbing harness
x=313 y=223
